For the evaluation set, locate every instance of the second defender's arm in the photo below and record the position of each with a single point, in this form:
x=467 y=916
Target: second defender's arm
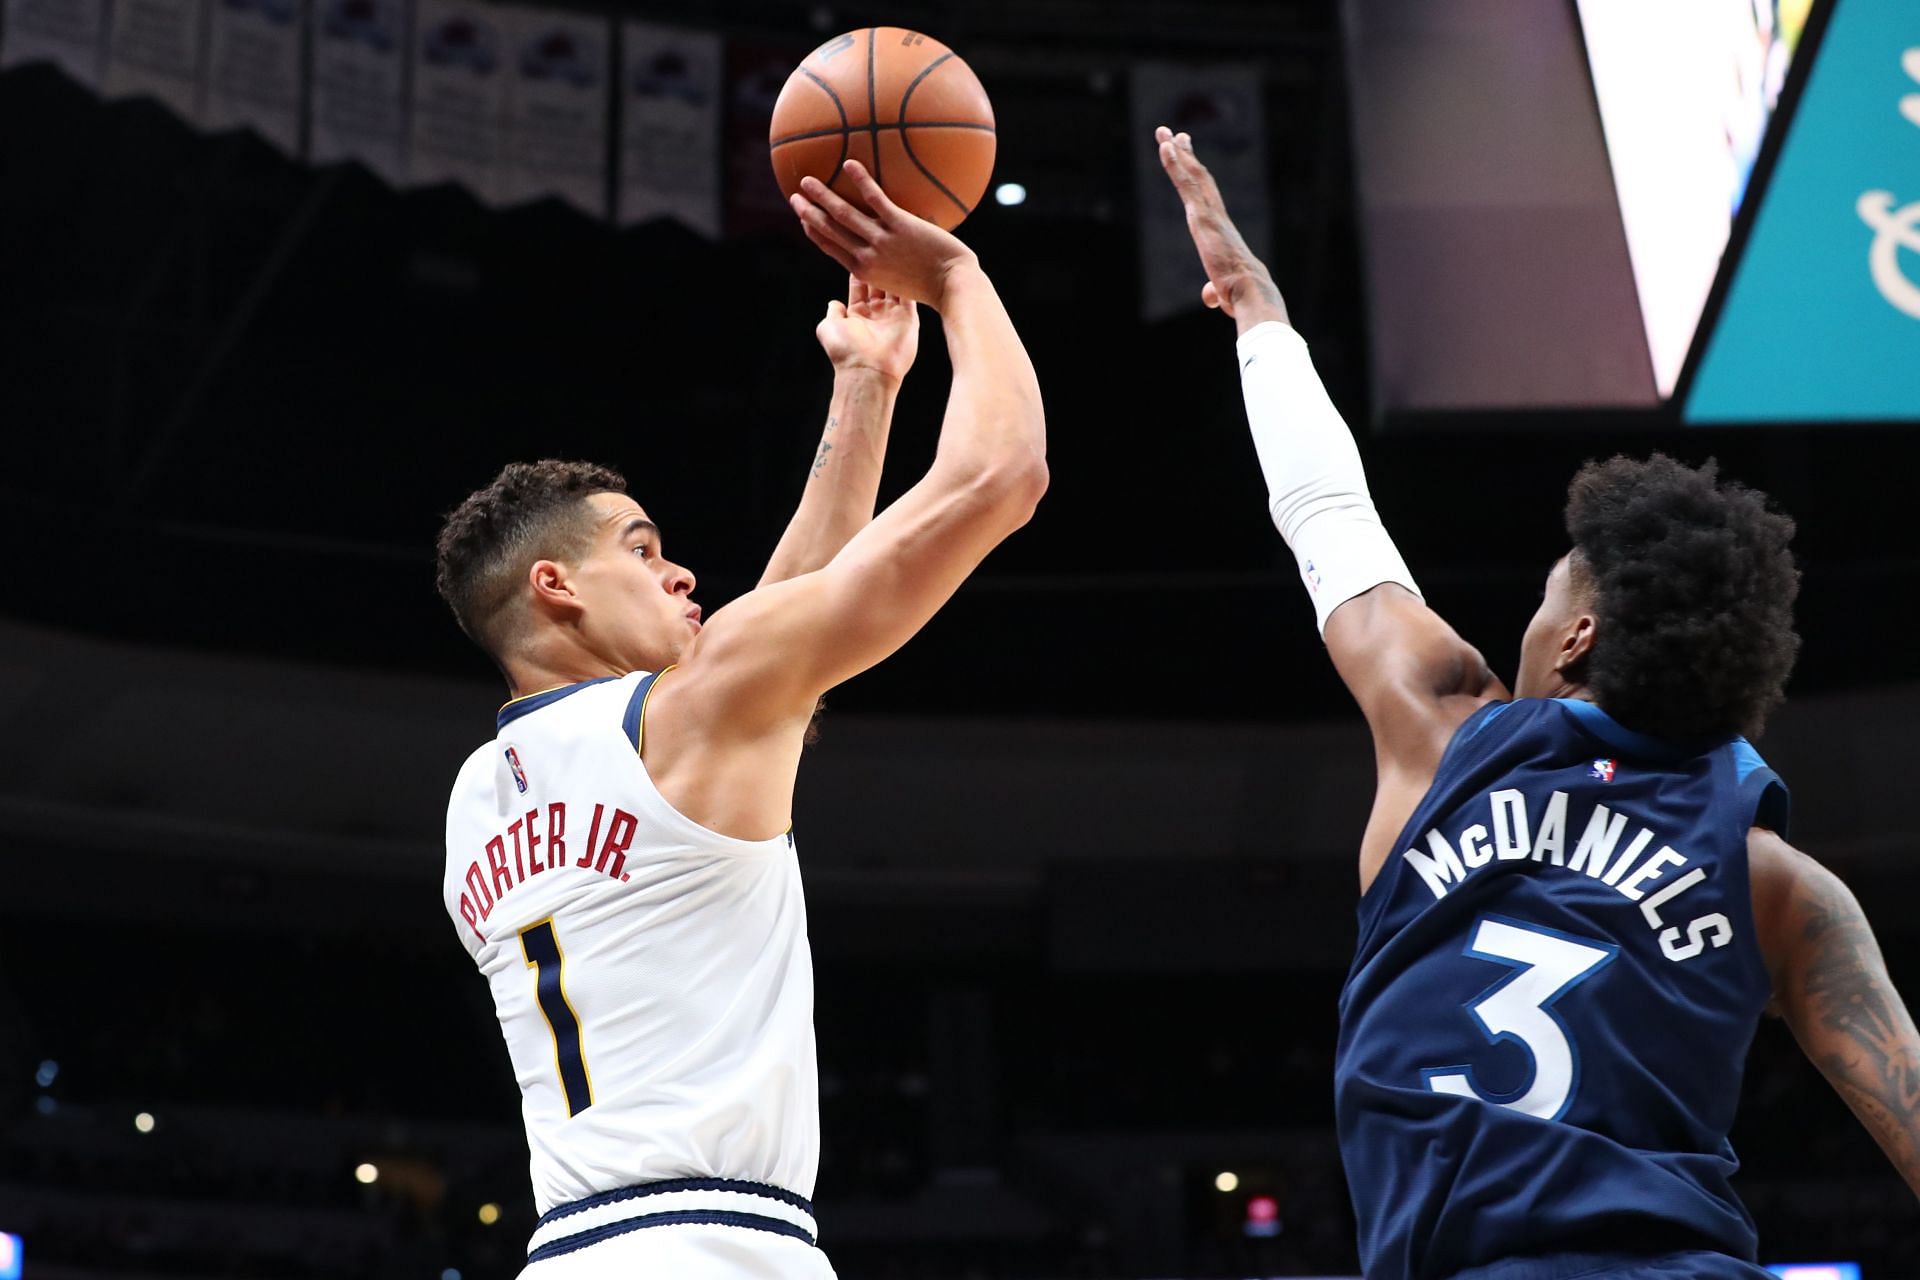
x=871 y=339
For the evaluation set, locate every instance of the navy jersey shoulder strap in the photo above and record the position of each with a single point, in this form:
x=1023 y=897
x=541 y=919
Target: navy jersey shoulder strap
x=1764 y=797
x=636 y=705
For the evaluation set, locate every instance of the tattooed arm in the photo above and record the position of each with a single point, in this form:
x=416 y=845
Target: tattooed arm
x=1831 y=986
x=871 y=339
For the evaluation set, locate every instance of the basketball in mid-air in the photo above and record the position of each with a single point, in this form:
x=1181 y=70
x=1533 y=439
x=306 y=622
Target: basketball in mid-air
x=902 y=104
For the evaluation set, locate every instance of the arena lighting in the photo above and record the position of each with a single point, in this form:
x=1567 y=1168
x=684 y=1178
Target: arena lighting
x=1263 y=1217
x=1010 y=193
x=1226 y=1180
x=144 y=1122
x=366 y=1174
x=1816 y=1270
x=10 y=1250
x=49 y=1072
x=489 y=1214
x=451 y=1273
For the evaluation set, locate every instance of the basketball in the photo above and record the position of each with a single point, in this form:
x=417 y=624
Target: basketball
x=902 y=104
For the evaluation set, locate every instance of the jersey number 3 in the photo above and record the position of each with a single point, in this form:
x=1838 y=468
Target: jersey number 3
x=542 y=949
x=1547 y=965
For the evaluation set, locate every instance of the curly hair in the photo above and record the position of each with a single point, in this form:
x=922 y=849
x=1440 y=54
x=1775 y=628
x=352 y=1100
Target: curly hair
x=1692 y=586
x=531 y=511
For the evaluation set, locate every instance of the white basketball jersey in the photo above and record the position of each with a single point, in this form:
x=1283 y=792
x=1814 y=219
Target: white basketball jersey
x=652 y=977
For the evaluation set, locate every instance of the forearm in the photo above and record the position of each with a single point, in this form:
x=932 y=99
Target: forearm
x=1316 y=486
x=844 y=479
x=995 y=424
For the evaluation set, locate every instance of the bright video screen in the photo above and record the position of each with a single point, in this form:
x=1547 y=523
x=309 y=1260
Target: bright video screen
x=1685 y=93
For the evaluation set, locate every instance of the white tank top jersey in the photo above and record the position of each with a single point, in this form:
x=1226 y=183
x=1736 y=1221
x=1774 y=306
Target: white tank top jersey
x=652 y=977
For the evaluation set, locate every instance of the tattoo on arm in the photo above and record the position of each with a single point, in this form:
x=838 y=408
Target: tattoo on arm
x=1854 y=1024
x=826 y=447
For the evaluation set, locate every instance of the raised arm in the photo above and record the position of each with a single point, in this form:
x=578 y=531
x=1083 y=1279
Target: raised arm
x=737 y=706
x=871 y=338
x=1413 y=676
x=1831 y=985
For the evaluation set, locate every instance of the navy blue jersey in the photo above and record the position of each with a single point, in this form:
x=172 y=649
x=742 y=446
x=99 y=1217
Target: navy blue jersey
x=1557 y=980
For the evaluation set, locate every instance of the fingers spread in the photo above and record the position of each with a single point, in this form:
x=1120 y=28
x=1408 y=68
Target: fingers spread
x=836 y=208
x=869 y=190
x=819 y=225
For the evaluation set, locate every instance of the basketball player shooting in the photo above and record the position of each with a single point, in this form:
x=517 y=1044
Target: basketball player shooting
x=620 y=863
x=1577 y=902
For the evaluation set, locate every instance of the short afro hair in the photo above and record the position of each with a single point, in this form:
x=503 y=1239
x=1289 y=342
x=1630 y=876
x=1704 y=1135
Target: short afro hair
x=1692 y=586
x=532 y=511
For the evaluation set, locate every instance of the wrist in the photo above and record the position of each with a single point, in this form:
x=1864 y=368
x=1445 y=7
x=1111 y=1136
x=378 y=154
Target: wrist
x=1254 y=299
x=958 y=276
x=852 y=372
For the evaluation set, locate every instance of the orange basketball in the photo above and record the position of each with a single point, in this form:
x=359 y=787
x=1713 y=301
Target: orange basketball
x=902 y=104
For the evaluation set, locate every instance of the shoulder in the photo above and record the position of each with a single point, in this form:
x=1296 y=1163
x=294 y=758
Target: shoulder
x=1800 y=907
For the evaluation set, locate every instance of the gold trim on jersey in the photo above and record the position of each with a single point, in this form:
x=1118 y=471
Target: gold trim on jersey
x=640 y=728
x=580 y=1028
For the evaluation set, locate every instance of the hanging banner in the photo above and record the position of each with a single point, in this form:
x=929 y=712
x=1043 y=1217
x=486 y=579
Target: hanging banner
x=1221 y=108
x=359 y=85
x=557 y=104
x=154 y=51
x=256 y=78
x=755 y=75
x=670 y=126
x=67 y=33
x=457 y=126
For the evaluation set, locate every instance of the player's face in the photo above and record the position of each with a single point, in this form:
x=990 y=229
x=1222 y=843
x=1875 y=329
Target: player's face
x=637 y=605
x=1544 y=649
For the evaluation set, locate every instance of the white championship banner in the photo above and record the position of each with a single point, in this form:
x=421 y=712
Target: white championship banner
x=358 y=98
x=670 y=104
x=67 y=33
x=256 y=76
x=558 y=67
x=457 y=124
x=1222 y=108
x=154 y=50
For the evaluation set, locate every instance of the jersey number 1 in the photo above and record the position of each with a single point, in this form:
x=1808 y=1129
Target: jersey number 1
x=1548 y=964
x=542 y=950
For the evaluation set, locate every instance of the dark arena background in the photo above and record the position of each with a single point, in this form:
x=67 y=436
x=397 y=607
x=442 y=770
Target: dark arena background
x=1079 y=860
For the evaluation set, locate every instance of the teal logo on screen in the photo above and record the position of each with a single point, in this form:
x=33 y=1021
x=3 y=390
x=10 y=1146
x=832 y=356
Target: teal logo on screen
x=1822 y=320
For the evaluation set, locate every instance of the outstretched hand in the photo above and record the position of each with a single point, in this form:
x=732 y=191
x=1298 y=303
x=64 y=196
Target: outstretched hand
x=1238 y=283
x=872 y=329
x=889 y=249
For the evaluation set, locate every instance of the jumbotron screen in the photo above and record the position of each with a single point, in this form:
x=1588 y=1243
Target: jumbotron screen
x=1685 y=93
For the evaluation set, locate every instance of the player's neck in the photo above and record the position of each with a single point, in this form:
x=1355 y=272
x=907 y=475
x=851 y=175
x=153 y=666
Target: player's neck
x=536 y=673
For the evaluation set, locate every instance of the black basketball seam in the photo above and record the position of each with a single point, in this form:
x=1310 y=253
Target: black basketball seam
x=841 y=108
x=873 y=111
x=915 y=83
x=906 y=141
x=917 y=124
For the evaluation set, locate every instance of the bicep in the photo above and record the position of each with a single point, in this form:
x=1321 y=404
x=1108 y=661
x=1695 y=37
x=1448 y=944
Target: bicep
x=1831 y=986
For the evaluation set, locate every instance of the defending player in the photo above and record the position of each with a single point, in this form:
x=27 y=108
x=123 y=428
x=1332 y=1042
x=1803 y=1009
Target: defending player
x=1574 y=905
x=619 y=860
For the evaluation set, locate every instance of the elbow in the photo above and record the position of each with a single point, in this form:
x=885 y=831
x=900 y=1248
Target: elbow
x=1014 y=487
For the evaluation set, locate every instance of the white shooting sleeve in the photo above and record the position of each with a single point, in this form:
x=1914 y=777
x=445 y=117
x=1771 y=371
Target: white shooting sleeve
x=1316 y=489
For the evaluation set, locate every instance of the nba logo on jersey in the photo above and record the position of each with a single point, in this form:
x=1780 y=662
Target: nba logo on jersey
x=519 y=774
x=1602 y=769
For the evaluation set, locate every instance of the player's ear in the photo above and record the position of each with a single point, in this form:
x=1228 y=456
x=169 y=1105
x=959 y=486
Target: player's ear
x=1576 y=643
x=552 y=587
